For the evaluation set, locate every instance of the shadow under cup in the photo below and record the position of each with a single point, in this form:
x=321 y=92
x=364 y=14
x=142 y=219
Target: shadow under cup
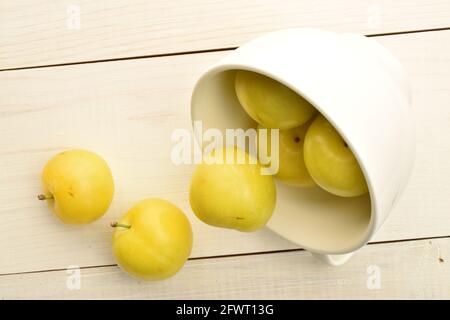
x=310 y=217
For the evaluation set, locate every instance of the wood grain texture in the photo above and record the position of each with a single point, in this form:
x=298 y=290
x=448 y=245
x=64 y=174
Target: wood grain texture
x=127 y=111
x=409 y=270
x=36 y=32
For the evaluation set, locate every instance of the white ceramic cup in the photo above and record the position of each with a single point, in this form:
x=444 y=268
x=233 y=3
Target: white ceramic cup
x=363 y=91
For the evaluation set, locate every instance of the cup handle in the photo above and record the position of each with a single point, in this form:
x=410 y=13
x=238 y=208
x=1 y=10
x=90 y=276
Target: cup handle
x=333 y=259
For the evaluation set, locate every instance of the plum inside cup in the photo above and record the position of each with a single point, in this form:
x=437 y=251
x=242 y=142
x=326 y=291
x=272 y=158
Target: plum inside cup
x=291 y=165
x=330 y=161
x=311 y=151
x=270 y=103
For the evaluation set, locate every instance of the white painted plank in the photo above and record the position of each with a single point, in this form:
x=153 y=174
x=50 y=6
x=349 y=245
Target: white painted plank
x=408 y=270
x=37 y=32
x=127 y=110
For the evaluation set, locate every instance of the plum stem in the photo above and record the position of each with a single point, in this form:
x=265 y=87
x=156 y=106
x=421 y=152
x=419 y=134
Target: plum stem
x=120 y=225
x=44 y=197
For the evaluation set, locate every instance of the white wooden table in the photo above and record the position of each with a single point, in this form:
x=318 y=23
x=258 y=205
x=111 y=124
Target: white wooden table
x=117 y=79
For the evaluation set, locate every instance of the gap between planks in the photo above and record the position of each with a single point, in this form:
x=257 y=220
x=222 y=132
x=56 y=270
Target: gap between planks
x=169 y=54
x=226 y=255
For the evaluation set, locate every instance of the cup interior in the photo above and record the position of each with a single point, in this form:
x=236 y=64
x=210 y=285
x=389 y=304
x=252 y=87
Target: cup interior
x=310 y=217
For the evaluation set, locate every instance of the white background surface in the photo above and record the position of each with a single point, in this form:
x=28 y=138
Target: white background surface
x=126 y=110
